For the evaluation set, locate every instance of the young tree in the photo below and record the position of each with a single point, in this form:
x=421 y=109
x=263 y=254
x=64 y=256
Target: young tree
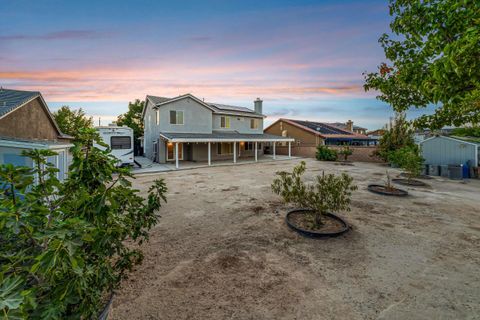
x=434 y=54
x=133 y=119
x=329 y=192
x=398 y=135
x=71 y=121
x=345 y=152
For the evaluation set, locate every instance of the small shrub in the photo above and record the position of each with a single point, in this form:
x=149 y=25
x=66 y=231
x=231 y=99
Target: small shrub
x=324 y=153
x=345 y=152
x=64 y=244
x=409 y=159
x=328 y=192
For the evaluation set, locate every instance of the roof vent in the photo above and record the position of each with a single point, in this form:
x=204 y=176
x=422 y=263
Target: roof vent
x=318 y=128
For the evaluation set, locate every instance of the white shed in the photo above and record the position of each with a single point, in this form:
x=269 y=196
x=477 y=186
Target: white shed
x=442 y=150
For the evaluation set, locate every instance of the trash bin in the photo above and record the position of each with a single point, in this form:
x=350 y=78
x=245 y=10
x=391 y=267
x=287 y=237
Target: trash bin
x=455 y=171
x=444 y=171
x=433 y=170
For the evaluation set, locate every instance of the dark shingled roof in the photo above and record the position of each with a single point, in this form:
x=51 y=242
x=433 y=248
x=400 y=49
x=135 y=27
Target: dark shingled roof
x=343 y=126
x=220 y=135
x=157 y=100
x=322 y=128
x=12 y=99
x=217 y=107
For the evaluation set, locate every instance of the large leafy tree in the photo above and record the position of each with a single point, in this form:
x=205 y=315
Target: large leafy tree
x=66 y=245
x=133 y=119
x=434 y=59
x=71 y=121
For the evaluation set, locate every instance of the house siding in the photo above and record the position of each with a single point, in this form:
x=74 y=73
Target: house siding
x=30 y=122
x=302 y=138
x=445 y=151
x=240 y=124
x=196 y=119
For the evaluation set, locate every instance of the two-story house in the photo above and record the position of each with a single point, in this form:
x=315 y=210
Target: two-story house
x=188 y=128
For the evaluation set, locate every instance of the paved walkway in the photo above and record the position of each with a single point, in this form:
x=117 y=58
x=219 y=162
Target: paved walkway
x=149 y=166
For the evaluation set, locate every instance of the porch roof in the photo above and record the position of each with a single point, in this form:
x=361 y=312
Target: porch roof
x=223 y=137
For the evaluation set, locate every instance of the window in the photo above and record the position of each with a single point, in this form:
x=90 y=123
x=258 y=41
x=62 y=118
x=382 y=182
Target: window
x=224 y=122
x=171 y=151
x=158 y=117
x=253 y=123
x=225 y=148
x=249 y=146
x=176 y=117
x=121 y=143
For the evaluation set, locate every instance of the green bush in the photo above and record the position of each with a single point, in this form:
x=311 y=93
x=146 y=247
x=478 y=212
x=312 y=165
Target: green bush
x=399 y=135
x=345 y=152
x=324 y=153
x=64 y=244
x=409 y=159
x=329 y=192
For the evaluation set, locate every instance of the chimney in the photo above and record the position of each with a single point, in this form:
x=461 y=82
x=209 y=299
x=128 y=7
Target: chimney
x=349 y=125
x=258 y=105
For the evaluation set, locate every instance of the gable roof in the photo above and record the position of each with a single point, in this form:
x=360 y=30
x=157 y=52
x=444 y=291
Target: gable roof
x=322 y=129
x=215 y=107
x=11 y=100
x=468 y=140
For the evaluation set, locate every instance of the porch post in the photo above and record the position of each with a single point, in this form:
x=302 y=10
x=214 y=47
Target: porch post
x=176 y=155
x=289 y=149
x=256 y=152
x=274 y=157
x=209 y=154
x=234 y=152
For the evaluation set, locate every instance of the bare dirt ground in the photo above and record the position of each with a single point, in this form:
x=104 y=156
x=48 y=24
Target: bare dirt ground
x=222 y=250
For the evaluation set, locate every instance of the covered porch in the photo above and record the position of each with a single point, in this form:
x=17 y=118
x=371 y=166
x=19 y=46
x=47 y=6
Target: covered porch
x=221 y=147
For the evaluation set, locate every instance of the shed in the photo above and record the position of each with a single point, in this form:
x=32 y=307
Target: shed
x=442 y=150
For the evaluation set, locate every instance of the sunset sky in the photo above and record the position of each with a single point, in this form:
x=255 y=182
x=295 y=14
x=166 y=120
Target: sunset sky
x=303 y=58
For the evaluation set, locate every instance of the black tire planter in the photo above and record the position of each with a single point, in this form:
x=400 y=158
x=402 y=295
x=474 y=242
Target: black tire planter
x=316 y=234
x=106 y=309
x=411 y=183
x=398 y=193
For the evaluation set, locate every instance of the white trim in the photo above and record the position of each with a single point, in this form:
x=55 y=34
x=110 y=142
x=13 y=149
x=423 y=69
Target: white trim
x=225 y=139
x=209 y=154
x=234 y=152
x=256 y=151
x=32 y=145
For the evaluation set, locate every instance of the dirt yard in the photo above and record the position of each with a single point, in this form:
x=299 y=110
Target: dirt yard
x=222 y=250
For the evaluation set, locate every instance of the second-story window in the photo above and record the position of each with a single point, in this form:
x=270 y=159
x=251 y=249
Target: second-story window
x=253 y=123
x=176 y=117
x=157 y=121
x=224 y=122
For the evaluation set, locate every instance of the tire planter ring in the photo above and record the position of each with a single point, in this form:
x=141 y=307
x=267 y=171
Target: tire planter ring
x=316 y=234
x=411 y=183
x=400 y=192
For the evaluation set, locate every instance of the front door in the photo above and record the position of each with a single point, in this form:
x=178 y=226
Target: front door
x=171 y=151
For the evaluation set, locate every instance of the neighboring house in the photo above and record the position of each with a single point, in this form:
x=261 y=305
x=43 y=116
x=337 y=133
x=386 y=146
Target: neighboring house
x=311 y=134
x=349 y=126
x=444 y=151
x=26 y=124
x=187 y=128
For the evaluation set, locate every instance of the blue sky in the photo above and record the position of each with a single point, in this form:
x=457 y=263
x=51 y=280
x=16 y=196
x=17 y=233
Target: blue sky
x=303 y=58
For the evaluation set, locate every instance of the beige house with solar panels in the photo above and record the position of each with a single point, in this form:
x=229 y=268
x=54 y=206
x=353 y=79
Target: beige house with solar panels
x=186 y=128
